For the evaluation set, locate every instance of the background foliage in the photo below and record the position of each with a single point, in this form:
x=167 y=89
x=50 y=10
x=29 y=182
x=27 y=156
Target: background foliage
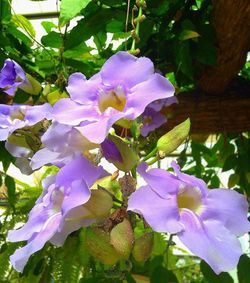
x=179 y=38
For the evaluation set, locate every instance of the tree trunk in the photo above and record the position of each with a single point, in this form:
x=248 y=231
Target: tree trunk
x=228 y=112
x=231 y=20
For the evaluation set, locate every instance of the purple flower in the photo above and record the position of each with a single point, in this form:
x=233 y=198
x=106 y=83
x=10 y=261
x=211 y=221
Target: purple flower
x=58 y=211
x=121 y=90
x=152 y=118
x=13 y=117
x=110 y=151
x=61 y=144
x=12 y=76
x=206 y=221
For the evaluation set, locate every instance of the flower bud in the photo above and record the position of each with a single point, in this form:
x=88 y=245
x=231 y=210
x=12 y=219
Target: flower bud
x=122 y=238
x=173 y=139
x=119 y=153
x=99 y=204
x=31 y=85
x=143 y=247
x=99 y=246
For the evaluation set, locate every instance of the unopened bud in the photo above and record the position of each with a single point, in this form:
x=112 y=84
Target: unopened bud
x=143 y=247
x=122 y=238
x=99 y=246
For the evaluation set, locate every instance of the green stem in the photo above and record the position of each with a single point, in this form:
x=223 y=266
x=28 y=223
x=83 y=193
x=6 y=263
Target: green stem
x=155 y=159
x=167 y=248
x=137 y=29
x=151 y=154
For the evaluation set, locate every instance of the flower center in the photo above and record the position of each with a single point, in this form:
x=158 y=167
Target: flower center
x=115 y=98
x=147 y=120
x=189 y=198
x=17 y=114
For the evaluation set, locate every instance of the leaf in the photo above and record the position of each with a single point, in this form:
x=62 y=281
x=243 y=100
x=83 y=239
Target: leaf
x=173 y=139
x=48 y=26
x=24 y=23
x=56 y=95
x=233 y=180
x=188 y=34
x=230 y=162
x=70 y=8
x=52 y=39
x=243 y=269
x=162 y=275
x=212 y=277
x=11 y=189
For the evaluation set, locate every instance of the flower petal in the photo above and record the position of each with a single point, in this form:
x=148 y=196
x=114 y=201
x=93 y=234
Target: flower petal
x=230 y=208
x=72 y=222
x=161 y=214
x=190 y=180
x=82 y=90
x=161 y=182
x=79 y=169
x=142 y=94
x=211 y=241
x=126 y=69
x=21 y=255
x=79 y=194
x=96 y=132
x=65 y=108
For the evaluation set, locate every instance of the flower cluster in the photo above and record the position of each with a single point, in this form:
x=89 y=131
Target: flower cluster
x=126 y=90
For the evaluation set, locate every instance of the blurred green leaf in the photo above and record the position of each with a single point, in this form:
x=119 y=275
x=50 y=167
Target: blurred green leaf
x=24 y=23
x=243 y=269
x=211 y=277
x=11 y=189
x=70 y=8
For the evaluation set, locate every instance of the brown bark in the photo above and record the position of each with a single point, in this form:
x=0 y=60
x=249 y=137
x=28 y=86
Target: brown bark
x=228 y=112
x=231 y=20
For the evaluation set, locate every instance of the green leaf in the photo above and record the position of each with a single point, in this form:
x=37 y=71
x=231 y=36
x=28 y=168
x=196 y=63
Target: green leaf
x=19 y=35
x=212 y=277
x=173 y=139
x=243 y=269
x=233 y=180
x=52 y=39
x=24 y=23
x=230 y=162
x=70 y=8
x=162 y=275
x=188 y=34
x=11 y=189
x=48 y=26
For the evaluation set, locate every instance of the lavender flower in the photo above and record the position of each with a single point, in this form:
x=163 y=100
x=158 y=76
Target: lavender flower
x=110 y=151
x=61 y=144
x=13 y=117
x=59 y=211
x=206 y=221
x=12 y=76
x=121 y=90
x=152 y=118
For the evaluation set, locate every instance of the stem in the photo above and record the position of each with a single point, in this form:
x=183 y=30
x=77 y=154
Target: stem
x=137 y=29
x=151 y=154
x=155 y=159
x=167 y=248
